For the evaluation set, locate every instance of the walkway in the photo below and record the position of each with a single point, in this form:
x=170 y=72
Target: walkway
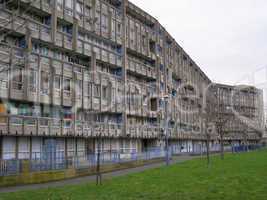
x=89 y=179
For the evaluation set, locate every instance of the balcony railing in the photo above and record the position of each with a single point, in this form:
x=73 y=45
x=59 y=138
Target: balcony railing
x=141 y=68
x=42 y=126
x=143 y=131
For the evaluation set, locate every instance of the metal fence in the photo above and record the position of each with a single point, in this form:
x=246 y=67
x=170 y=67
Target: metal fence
x=10 y=167
x=59 y=161
x=244 y=148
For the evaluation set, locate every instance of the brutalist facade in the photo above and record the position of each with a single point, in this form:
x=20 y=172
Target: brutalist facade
x=75 y=71
x=239 y=110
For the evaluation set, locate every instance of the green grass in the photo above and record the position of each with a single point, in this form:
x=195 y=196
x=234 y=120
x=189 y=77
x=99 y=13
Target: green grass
x=238 y=177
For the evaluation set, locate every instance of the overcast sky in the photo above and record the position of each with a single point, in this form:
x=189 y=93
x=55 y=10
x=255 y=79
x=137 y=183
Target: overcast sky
x=226 y=38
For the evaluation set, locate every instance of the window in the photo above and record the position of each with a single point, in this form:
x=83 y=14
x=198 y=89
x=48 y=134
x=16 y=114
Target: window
x=97 y=91
x=104 y=22
x=4 y=77
x=67 y=84
x=44 y=82
x=152 y=46
x=153 y=103
x=57 y=55
x=143 y=40
x=105 y=92
x=67 y=113
x=87 y=89
x=113 y=26
x=32 y=80
x=35 y=48
x=44 y=51
x=17 y=79
x=118 y=28
x=67 y=124
x=57 y=82
x=67 y=29
x=79 y=88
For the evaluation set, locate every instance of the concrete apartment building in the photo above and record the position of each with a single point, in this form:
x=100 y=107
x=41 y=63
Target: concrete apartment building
x=240 y=110
x=74 y=71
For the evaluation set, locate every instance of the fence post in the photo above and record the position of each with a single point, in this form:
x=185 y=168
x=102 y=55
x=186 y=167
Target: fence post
x=23 y=166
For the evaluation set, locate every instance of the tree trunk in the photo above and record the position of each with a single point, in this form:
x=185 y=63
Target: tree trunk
x=208 y=150
x=222 y=146
x=246 y=143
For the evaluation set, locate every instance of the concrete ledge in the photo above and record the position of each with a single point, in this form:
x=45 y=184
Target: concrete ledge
x=27 y=177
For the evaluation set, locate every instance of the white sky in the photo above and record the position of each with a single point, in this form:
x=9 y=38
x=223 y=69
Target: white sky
x=226 y=38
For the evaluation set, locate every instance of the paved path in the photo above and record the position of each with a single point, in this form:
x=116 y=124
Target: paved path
x=88 y=179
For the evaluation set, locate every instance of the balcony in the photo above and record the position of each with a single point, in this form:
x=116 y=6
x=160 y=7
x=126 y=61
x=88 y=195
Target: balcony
x=67 y=41
x=87 y=103
x=144 y=131
x=79 y=128
x=4 y=81
x=45 y=96
x=67 y=98
x=78 y=92
x=44 y=124
x=131 y=131
x=105 y=130
x=40 y=126
x=30 y=126
x=112 y=58
x=112 y=130
x=45 y=33
x=96 y=103
x=138 y=133
x=5 y=53
x=36 y=3
x=64 y=40
x=150 y=132
x=34 y=28
x=97 y=130
x=119 y=130
x=17 y=90
x=46 y=7
x=59 y=39
x=105 y=105
x=119 y=106
x=16 y=125
x=87 y=129
x=87 y=49
x=19 y=25
x=141 y=69
x=3 y=125
x=104 y=56
x=57 y=75
x=5 y=19
x=68 y=128
x=55 y=127
x=68 y=15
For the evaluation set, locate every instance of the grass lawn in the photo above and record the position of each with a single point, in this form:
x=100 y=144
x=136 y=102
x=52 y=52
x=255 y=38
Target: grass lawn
x=238 y=177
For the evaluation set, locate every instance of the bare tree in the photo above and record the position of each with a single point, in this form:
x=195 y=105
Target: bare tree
x=207 y=116
x=220 y=122
x=208 y=133
x=217 y=114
